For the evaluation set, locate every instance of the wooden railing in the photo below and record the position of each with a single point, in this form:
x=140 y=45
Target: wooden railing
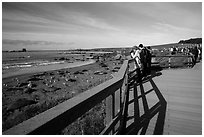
x=189 y=57
x=116 y=94
x=57 y=118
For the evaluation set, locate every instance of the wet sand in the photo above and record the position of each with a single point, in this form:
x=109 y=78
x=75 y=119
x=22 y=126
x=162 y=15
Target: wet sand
x=51 y=67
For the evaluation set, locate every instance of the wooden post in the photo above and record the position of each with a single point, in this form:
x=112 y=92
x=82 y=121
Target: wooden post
x=169 y=62
x=108 y=110
x=188 y=62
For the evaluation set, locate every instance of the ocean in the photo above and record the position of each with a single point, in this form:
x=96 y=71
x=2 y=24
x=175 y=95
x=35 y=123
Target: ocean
x=18 y=63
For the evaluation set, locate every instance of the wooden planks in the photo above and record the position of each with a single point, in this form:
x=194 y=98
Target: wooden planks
x=182 y=90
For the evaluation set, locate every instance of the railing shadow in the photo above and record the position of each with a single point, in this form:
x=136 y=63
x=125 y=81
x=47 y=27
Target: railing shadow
x=141 y=123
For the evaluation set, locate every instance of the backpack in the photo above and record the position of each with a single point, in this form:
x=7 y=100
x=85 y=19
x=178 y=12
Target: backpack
x=143 y=55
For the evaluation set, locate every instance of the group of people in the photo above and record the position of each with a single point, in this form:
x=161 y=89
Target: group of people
x=142 y=57
x=196 y=54
x=194 y=51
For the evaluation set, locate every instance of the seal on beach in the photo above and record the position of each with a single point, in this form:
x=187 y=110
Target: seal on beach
x=22 y=102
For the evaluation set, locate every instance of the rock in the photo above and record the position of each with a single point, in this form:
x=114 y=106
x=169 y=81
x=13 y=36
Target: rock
x=22 y=102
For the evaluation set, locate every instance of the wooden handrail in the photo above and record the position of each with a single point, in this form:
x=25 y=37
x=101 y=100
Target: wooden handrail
x=170 y=56
x=55 y=119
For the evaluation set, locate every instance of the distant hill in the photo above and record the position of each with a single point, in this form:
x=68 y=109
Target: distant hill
x=191 y=41
x=165 y=46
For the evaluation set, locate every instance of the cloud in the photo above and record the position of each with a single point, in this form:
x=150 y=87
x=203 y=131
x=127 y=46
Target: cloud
x=108 y=24
x=93 y=22
x=29 y=42
x=168 y=28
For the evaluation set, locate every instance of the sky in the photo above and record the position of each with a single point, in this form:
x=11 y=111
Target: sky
x=69 y=25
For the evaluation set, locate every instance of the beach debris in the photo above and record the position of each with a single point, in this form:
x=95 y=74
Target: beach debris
x=22 y=102
x=72 y=80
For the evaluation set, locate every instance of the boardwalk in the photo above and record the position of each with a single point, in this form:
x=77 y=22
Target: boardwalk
x=182 y=90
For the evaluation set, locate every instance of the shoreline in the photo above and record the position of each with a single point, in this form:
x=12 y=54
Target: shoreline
x=50 y=67
x=19 y=102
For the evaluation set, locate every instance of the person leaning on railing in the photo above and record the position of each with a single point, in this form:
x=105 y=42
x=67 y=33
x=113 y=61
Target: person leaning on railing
x=135 y=54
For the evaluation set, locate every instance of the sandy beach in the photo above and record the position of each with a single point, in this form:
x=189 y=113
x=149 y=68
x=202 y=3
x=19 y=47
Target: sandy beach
x=26 y=95
x=45 y=68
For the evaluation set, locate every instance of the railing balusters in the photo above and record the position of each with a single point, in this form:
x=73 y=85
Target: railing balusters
x=114 y=91
x=169 y=62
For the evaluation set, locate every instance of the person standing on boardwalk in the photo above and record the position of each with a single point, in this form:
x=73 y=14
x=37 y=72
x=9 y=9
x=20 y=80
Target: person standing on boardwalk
x=149 y=59
x=135 y=54
x=143 y=59
x=195 y=53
